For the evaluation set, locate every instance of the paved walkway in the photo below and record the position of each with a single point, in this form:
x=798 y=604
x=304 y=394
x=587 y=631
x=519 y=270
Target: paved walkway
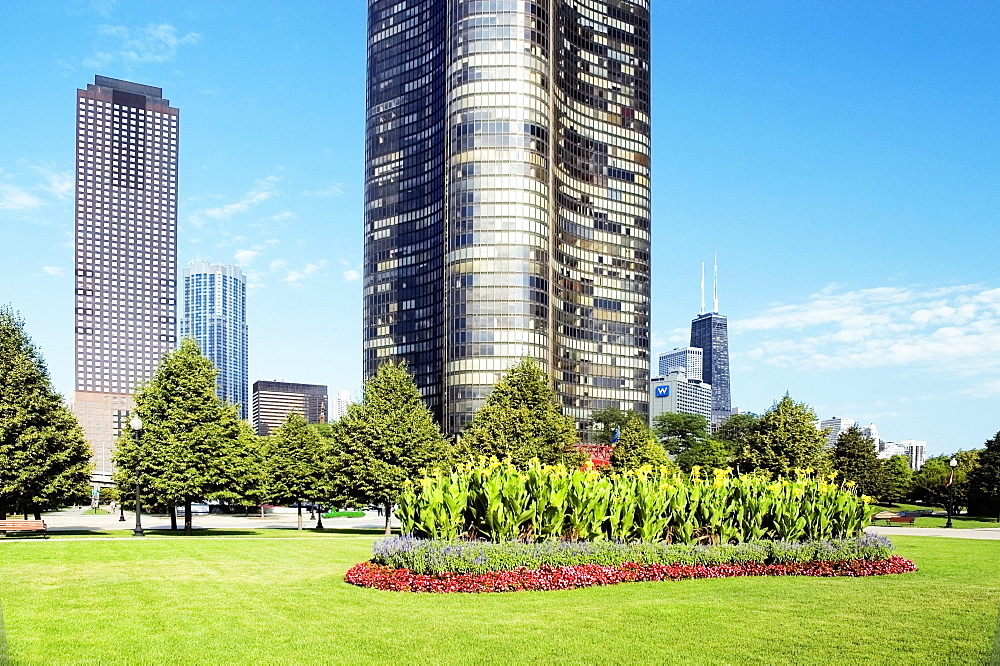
x=76 y=520
x=985 y=533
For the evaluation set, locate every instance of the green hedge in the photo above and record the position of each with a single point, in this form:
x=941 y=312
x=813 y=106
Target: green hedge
x=435 y=556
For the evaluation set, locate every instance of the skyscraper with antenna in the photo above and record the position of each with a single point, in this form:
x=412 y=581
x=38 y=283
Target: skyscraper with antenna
x=710 y=333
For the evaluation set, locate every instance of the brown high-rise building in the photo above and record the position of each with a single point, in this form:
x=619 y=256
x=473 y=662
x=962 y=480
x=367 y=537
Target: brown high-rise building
x=507 y=198
x=126 y=259
x=273 y=401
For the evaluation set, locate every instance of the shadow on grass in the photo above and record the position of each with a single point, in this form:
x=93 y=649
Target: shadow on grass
x=994 y=658
x=4 y=655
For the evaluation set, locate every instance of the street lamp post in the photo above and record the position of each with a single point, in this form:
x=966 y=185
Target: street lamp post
x=136 y=424
x=319 y=513
x=951 y=490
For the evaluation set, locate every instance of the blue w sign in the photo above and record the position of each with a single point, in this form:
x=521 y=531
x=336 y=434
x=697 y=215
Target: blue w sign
x=662 y=391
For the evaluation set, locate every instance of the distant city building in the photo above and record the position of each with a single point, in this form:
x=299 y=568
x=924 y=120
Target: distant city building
x=126 y=252
x=688 y=359
x=871 y=431
x=890 y=449
x=836 y=425
x=676 y=394
x=341 y=403
x=710 y=333
x=274 y=401
x=915 y=451
x=215 y=316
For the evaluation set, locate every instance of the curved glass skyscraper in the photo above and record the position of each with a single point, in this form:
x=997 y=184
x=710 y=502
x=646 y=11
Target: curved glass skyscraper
x=507 y=197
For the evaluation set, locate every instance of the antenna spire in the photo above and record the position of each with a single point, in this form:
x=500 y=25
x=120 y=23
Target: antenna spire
x=715 y=290
x=702 y=311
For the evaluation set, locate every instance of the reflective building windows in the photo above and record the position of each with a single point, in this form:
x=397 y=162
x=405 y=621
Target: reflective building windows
x=507 y=201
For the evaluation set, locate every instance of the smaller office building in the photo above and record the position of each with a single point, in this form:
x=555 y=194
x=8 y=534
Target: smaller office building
x=273 y=401
x=676 y=394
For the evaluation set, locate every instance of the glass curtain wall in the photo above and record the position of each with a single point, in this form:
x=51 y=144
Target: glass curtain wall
x=602 y=195
x=404 y=181
x=496 y=268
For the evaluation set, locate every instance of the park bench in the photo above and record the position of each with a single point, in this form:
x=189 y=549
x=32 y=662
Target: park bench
x=907 y=520
x=15 y=527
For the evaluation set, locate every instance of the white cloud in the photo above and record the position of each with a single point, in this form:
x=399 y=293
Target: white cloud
x=954 y=329
x=296 y=276
x=59 y=184
x=57 y=271
x=246 y=256
x=156 y=42
x=264 y=189
x=334 y=190
x=352 y=275
x=13 y=197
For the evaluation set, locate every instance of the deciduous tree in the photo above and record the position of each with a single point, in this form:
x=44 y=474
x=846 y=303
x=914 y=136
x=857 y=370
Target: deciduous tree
x=896 y=479
x=984 y=481
x=930 y=482
x=855 y=458
x=384 y=441
x=786 y=438
x=636 y=446
x=679 y=432
x=520 y=420
x=292 y=463
x=44 y=460
x=192 y=447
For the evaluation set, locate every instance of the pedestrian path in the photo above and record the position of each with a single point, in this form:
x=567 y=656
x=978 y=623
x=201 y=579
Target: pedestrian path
x=69 y=520
x=989 y=533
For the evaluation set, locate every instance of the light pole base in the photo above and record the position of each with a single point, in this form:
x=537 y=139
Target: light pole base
x=137 y=532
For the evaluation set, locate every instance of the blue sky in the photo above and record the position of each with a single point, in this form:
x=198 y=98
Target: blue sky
x=841 y=158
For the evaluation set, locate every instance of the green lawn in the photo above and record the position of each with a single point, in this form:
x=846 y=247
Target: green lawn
x=958 y=522
x=275 y=601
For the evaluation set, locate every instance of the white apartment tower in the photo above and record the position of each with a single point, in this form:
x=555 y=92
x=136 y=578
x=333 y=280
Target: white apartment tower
x=836 y=425
x=126 y=259
x=688 y=359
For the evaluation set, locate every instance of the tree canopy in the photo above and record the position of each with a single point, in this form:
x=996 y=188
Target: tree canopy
x=679 y=432
x=292 y=463
x=897 y=479
x=855 y=458
x=384 y=441
x=606 y=421
x=984 y=481
x=930 y=481
x=520 y=420
x=192 y=446
x=44 y=459
x=784 y=439
x=636 y=446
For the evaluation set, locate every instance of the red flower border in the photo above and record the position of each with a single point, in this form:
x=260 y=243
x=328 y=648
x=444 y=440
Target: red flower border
x=369 y=574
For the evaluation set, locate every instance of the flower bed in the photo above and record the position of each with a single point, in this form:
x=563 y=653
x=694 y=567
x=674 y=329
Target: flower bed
x=436 y=556
x=368 y=574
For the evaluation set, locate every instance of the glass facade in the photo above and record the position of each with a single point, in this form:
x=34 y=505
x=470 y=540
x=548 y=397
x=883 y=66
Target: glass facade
x=516 y=133
x=126 y=259
x=215 y=316
x=710 y=333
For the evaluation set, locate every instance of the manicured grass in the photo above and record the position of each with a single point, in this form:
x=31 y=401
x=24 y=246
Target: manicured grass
x=344 y=514
x=271 y=601
x=270 y=533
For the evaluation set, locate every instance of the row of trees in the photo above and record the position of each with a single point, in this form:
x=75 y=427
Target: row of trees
x=44 y=460
x=786 y=438
x=194 y=448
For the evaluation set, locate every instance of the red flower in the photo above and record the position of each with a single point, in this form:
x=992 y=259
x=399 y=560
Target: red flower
x=367 y=574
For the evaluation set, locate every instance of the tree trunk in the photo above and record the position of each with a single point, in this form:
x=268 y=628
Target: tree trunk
x=388 y=519
x=38 y=514
x=3 y=513
x=173 y=517
x=300 y=514
x=187 y=517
